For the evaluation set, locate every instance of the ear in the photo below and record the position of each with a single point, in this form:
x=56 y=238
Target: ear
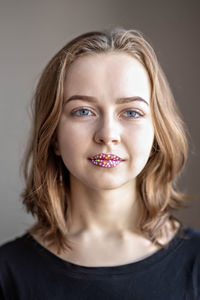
x=56 y=149
x=55 y=145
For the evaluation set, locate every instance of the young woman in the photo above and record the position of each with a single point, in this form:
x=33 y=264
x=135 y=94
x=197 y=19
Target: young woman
x=105 y=151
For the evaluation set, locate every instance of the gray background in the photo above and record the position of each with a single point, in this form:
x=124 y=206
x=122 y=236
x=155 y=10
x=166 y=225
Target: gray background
x=31 y=32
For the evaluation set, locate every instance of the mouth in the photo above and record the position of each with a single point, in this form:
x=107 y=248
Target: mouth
x=105 y=156
x=106 y=160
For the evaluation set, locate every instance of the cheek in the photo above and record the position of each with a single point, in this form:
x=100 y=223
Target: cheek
x=67 y=145
x=141 y=141
x=71 y=138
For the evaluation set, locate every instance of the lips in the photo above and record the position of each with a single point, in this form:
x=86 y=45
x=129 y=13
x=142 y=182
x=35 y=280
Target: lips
x=104 y=156
x=106 y=160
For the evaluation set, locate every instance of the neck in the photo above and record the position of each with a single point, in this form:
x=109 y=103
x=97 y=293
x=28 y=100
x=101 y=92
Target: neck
x=102 y=211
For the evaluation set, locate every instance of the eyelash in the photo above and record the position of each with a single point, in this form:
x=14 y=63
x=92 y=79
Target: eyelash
x=137 y=112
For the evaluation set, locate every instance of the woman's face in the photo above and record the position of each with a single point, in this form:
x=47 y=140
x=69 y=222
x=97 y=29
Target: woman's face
x=106 y=110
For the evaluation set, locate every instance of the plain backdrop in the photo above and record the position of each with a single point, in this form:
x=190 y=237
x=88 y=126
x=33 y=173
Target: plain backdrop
x=31 y=32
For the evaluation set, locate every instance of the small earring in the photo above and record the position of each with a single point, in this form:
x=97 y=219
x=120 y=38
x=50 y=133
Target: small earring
x=56 y=148
x=57 y=152
x=60 y=181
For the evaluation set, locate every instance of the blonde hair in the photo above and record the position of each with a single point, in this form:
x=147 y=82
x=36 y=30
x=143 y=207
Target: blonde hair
x=47 y=180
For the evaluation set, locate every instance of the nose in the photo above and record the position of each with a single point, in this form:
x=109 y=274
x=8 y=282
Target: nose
x=108 y=132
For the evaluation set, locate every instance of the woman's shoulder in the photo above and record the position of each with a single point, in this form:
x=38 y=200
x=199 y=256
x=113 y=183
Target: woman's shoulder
x=13 y=248
x=189 y=248
x=16 y=240
x=186 y=240
x=18 y=258
x=181 y=231
x=193 y=234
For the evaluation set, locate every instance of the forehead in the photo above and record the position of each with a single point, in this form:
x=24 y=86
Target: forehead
x=119 y=74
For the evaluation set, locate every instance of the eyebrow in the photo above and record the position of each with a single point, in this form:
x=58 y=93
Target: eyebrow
x=92 y=99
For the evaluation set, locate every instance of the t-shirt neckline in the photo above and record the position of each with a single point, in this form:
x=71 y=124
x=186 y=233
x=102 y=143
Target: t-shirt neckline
x=139 y=265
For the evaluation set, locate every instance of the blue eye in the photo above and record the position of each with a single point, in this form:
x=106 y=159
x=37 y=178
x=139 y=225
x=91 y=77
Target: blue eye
x=84 y=110
x=133 y=114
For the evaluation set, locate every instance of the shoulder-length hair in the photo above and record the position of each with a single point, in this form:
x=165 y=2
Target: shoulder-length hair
x=46 y=192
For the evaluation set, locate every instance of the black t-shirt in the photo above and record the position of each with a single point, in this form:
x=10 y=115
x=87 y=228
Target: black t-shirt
x=30 y=271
